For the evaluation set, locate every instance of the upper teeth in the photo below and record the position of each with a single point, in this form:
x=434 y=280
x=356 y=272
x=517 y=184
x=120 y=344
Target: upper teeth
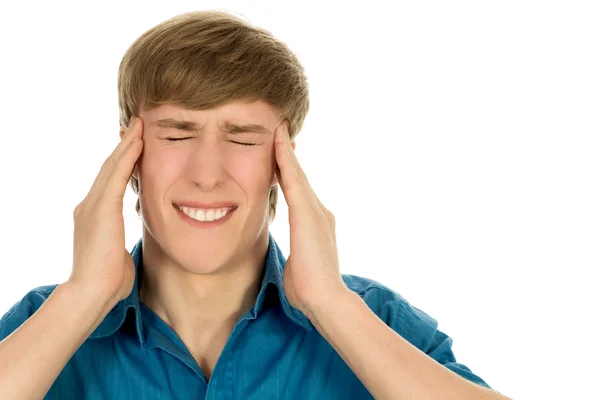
x=211 y=214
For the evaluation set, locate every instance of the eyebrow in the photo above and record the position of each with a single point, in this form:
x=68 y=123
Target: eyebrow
x=227 y=126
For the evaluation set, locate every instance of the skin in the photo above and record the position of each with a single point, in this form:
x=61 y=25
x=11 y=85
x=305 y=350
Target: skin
x=103 y=274
x=388 y=365
x=201 y=281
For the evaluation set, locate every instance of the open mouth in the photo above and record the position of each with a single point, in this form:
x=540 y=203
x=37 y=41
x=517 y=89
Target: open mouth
x=194 y=217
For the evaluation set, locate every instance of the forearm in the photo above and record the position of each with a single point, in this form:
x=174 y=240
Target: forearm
x=388 y=365
x=32 y=357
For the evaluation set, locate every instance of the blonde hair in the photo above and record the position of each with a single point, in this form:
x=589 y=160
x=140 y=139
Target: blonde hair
x=205 y=59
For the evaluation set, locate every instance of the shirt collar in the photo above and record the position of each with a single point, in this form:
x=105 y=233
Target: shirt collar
x=274 y=264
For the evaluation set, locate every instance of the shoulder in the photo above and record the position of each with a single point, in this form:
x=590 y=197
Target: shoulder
x=410 y=322
x=24 y=308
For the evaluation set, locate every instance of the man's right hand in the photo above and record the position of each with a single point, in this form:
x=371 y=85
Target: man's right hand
x=101 y=263
x=34 y=354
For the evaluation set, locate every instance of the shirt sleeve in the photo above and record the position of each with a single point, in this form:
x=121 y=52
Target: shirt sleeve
x=417 y=327
x=23 y=309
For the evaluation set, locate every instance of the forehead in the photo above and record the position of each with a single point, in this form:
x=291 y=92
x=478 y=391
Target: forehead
x=239 y=111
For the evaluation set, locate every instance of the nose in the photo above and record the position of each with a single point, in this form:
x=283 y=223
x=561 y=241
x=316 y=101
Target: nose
x=206 y=167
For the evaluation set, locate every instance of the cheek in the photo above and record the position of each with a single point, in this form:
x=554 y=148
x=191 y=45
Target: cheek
x=253 y=170
x=160 y=164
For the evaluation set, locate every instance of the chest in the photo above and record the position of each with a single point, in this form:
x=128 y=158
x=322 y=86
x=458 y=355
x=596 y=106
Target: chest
x=262 y=361
x=207 y=353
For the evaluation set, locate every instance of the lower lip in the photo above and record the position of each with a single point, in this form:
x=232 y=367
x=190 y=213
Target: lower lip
x=204 y=224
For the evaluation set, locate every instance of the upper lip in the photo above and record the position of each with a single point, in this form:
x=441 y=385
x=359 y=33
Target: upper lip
x=196 y=204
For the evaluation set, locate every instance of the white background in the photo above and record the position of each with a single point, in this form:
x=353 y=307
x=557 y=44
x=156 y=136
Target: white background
x=455 y=142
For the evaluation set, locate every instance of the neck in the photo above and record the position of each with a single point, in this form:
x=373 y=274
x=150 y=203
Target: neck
x=201 y=306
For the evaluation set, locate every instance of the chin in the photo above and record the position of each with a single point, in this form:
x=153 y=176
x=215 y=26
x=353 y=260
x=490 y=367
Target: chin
x=203 y=260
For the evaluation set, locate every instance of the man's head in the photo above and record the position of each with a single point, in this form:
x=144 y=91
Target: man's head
x=218 y=73
x=206 y=59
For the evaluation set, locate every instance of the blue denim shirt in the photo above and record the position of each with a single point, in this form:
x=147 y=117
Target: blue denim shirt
x=273 y=352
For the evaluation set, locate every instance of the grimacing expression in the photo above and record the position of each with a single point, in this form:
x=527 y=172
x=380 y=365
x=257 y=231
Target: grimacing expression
x=207 y=156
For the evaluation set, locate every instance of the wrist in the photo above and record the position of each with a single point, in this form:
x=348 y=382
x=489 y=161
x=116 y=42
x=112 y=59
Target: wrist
x=335 y=300
x=88 y=296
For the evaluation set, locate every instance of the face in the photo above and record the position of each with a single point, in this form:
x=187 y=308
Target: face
x=207 y=161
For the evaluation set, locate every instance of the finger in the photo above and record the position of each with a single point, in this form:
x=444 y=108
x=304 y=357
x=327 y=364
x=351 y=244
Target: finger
x=284 y=140
x=287 y=172
x=110 y=163
x=122 y=160
x=134 y=129
x=297 y=179
x=125 y=161
x=121 y=174
x=299 y=172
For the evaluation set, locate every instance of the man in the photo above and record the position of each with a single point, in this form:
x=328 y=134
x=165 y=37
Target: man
x=206 y=305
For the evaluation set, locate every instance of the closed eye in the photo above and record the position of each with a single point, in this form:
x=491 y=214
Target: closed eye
x=244 y=144
x=185 y=138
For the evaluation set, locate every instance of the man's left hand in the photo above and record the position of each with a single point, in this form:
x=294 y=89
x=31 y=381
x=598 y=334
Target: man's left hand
x=311 y=274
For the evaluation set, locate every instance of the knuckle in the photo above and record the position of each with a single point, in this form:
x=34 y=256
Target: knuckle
x=330 y=216
x=78 y=210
